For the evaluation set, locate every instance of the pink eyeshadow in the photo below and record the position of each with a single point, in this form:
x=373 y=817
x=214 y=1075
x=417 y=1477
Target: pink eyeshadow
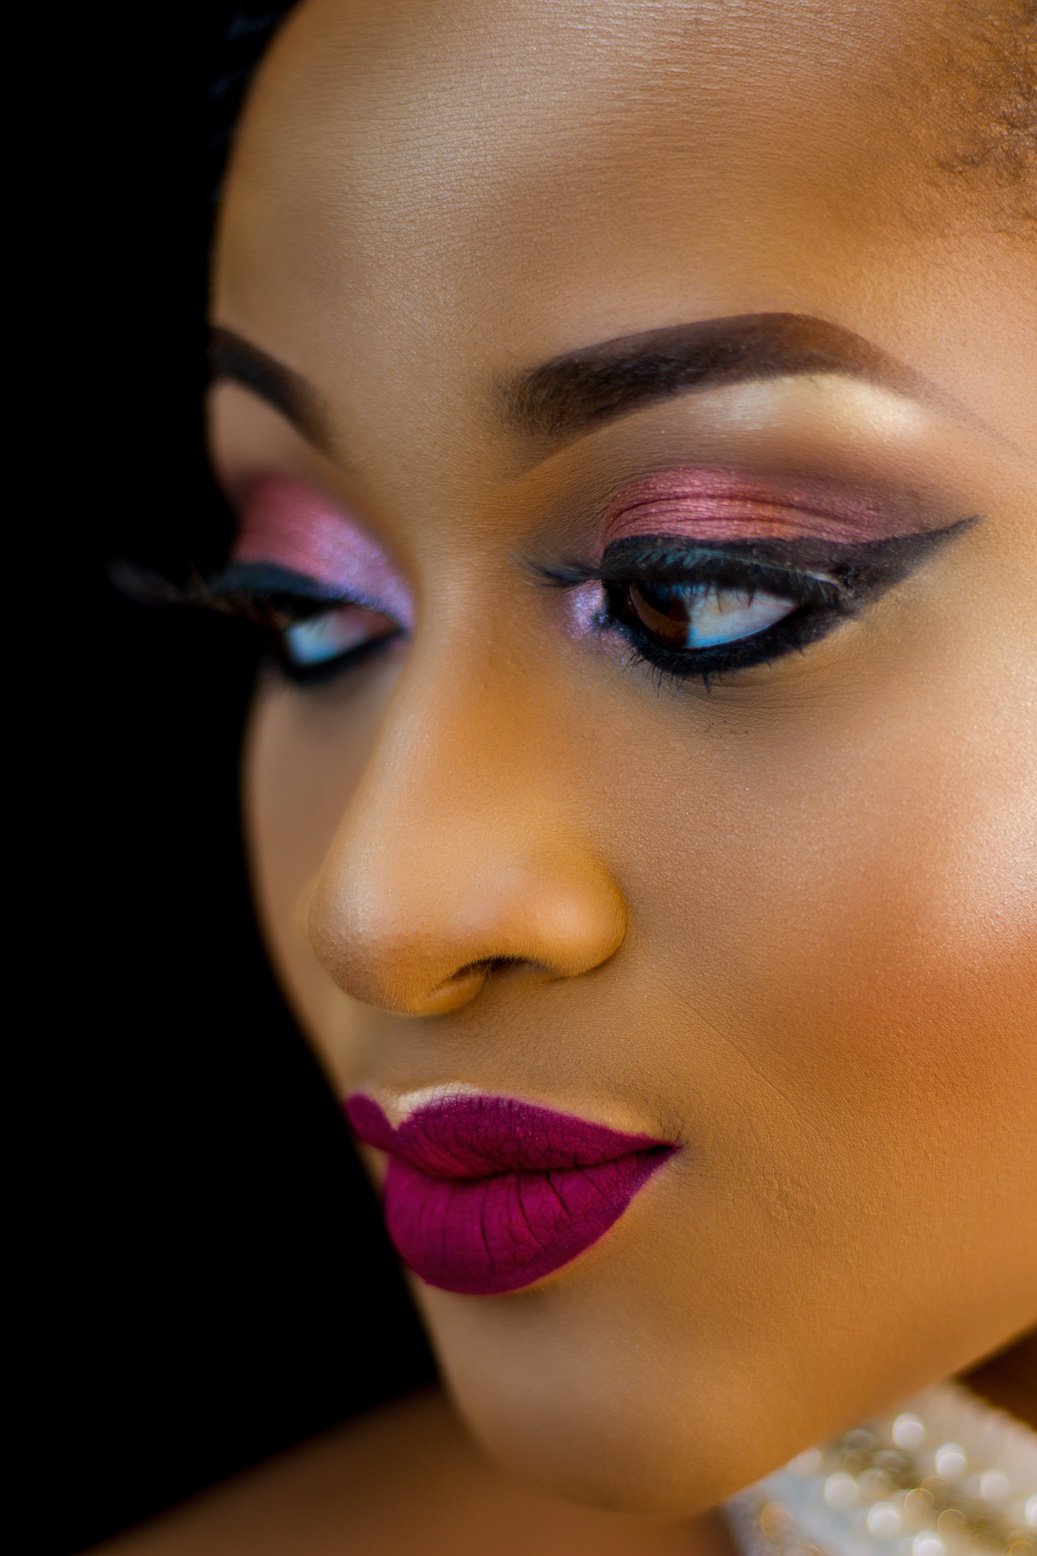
x=725 y=505
x=295 y=526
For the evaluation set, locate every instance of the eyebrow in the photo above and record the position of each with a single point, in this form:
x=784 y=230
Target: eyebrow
x=575 y=391
x=571 y=393
x=233 y=359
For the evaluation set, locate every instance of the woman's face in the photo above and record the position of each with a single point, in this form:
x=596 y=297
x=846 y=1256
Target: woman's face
x=565 y=843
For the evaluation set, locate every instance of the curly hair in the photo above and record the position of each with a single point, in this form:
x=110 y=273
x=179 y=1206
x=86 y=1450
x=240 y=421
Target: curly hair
x=992 y=62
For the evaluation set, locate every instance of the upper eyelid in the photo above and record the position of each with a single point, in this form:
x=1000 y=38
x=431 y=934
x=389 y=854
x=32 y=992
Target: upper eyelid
x=674 y=563
x=889 y=556
x=794 y=556
x=273 y=578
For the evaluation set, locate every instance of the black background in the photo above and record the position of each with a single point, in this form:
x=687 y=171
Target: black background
x=214 y=1281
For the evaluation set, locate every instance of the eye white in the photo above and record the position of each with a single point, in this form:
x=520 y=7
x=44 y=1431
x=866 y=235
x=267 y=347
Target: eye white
x=717 y=615
x=334 y=632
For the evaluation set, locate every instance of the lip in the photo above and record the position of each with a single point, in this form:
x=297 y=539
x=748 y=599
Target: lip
x=486 y=1194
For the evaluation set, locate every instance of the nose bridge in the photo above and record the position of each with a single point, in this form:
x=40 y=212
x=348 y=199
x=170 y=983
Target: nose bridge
x=457 y=848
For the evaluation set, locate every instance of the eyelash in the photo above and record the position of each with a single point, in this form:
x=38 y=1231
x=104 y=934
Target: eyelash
x=814 y=600
x=825 y=582
x=268 y=598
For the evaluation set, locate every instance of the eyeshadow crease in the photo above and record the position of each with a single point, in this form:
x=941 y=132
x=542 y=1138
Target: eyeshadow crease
x=291 y=525
x=716 y=504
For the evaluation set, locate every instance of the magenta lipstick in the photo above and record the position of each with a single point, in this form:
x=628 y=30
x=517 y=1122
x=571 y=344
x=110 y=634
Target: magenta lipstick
x=486 y=1194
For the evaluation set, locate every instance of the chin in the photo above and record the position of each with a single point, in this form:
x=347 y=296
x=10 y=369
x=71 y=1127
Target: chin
x=605 y=1454
x=609 y=1419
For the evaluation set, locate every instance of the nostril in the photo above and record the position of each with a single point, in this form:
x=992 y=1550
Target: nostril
x=485 y=964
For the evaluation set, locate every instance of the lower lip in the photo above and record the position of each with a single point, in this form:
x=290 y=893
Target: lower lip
x=491 y=1234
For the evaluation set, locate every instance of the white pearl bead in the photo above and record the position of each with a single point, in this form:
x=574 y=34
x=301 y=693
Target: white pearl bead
x=976 y=1454
x=993 y=1485
x=908 y=1431
x=949 y=1459
x=883 y=1520
x=840 y=1490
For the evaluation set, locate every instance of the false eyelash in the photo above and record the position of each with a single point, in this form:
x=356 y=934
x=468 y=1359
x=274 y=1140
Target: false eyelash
x=267 y=598
x=262 y=593
x=851 y=568
x=825 y=581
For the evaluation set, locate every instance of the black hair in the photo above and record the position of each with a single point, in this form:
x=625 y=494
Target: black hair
x=250 y=27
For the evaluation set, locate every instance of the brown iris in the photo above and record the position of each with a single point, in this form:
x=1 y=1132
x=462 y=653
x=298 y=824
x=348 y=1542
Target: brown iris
x=662 y=609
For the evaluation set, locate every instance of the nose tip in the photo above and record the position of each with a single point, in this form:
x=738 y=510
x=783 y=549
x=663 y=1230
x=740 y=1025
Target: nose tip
x=428 y=945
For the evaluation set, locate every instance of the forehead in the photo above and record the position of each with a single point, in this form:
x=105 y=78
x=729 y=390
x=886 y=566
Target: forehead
x=418 y=141
x=469 y=187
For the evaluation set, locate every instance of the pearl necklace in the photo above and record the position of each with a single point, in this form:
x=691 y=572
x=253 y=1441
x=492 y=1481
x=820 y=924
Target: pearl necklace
x=945 y=1474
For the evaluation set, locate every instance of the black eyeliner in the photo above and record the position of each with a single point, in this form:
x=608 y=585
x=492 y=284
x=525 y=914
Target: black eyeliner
x=824 y=581
x=853 y=565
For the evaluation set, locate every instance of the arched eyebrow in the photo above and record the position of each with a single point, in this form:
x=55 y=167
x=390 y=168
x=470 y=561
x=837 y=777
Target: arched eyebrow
x=568 y=395
x=233 y=359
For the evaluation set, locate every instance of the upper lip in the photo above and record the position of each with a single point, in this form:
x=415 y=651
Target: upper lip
x=478 y=1135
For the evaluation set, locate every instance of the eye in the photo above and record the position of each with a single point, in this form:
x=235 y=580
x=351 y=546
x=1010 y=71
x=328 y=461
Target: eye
x=312 y=635
x=700 y=614
x=319 y=642
x=691 y=610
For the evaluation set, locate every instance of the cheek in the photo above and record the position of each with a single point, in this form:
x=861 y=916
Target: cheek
x=832 y=983
x=853 y=937
x=299 y=770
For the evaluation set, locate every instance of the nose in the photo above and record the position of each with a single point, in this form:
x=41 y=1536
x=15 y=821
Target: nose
x=459 y=853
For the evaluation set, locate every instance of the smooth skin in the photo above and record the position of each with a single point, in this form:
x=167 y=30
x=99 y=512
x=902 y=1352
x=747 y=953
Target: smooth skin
x=791 y=922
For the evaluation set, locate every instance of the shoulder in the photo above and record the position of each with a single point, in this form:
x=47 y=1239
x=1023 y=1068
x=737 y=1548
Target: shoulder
x=360 y=1483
